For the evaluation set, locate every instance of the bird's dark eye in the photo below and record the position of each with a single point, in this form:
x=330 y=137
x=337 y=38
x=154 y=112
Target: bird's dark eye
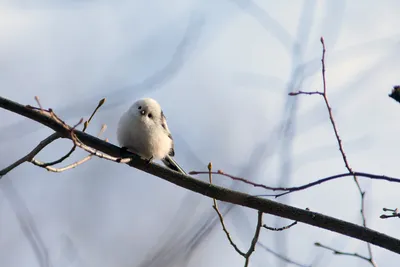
x=150 y=115
x=140 y=107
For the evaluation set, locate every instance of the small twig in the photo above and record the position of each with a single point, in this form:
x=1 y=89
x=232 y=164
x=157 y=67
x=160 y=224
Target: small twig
x=101 y=102
x=39 y=104
x=31 y=154
x=96 y=153
x=281 y=228
x=68 y=167
x=301 y=187
x=255 y=239
x=221 y=219
x=47 y=164
x=220 y=172
x=395 y=213
x=337 y=252
x=305 y=93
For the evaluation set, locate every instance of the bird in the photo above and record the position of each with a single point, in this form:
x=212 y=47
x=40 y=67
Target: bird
x=143 y=130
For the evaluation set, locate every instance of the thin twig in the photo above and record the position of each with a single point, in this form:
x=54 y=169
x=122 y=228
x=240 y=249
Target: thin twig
x=301 y=187
x=337 y=252
x=305 y=93
x=255 y=239
x=101 y=102
x=221 y=219
x=39 y=104
x=48 y=167
x=281 y=228
x=68 y=167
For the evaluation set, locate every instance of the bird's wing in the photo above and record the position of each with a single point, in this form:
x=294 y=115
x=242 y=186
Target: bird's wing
x=165 y=126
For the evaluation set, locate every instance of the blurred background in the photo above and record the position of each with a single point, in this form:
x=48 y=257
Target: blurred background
x=222 y=71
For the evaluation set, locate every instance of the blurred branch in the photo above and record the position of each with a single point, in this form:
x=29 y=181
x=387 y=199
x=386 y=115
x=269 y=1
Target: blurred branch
x=395 y=213
x=212 y=191
x=26 y=223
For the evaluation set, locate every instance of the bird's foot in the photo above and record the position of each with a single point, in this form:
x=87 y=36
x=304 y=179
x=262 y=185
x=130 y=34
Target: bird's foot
x=148 y=161
x=123 y=151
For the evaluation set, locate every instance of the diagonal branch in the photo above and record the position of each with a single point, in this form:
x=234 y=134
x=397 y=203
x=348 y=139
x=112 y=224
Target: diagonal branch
x=212 y=191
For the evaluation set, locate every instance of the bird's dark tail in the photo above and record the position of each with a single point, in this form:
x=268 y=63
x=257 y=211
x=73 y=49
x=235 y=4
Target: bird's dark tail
x=171 y=163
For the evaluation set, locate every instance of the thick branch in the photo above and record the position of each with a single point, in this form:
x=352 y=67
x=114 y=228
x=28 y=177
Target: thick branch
x=217 y=192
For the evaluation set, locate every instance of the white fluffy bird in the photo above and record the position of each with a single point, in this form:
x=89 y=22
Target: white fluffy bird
x=143 y=130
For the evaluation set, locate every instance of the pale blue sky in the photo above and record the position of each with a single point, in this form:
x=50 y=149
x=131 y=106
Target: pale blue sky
x=221 y=71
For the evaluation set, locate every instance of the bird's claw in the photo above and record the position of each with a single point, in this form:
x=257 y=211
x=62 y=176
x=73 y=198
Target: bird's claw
x=148 y=161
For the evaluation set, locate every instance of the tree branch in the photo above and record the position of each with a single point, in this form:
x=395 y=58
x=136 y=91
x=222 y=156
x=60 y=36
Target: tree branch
x=212 y=191
x=30 y=155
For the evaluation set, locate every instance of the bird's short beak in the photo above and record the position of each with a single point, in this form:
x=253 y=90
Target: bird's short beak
x=142 y=112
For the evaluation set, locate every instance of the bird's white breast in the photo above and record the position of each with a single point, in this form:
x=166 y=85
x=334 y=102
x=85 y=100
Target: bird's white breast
x=146 y=139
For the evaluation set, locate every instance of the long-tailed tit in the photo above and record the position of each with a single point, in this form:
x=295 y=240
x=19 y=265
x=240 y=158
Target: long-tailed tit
x=143 y=130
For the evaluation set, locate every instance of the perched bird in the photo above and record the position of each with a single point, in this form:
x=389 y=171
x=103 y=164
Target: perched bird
x=143 y=130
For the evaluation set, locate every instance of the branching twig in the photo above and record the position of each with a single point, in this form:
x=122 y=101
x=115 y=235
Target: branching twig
x=395 y=213
x=339 y=141
x=221 y=219
x=255 y=238
x=68 y=167
x=337 y=252
x=48 y=165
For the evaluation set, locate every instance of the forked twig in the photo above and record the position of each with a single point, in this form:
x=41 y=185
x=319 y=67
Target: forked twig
x=221 y=219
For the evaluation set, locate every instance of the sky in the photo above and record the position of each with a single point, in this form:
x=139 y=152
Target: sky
x=222 y=71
